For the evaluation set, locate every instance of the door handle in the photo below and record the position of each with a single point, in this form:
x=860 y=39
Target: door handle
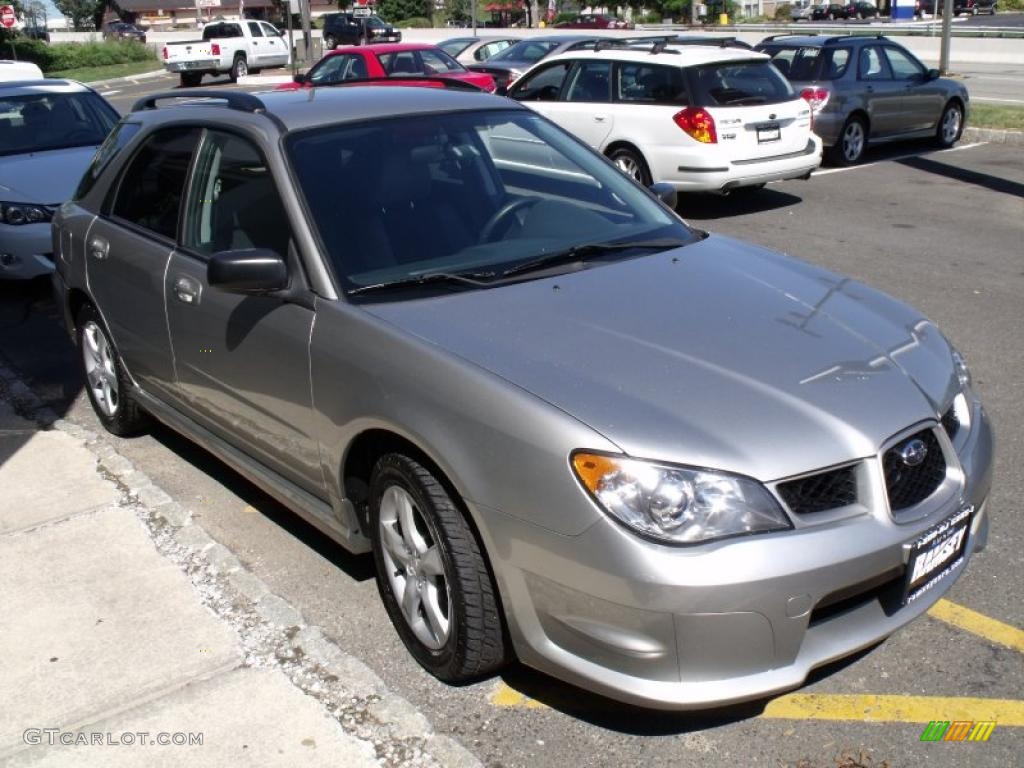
x=599 y=118
x=98 y=248
x=186 y=290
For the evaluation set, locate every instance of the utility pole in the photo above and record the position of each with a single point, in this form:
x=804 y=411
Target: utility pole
x=472 y=12
x=947 y=35
x=307 y=32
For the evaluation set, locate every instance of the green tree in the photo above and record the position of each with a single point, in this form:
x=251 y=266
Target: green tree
x=399 y=10
x=82 y=12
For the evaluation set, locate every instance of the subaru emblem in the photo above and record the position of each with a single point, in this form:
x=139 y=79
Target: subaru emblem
x=913 y=452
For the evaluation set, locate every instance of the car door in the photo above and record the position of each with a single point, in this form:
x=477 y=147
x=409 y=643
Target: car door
x=540 y=90
x=128 y=248
x=923 y=99
x=277 y=48
x=883 y=96
x=260 y=53
x=242 y=360
x=586 y=107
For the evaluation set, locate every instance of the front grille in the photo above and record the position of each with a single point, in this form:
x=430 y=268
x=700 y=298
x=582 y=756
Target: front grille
x=910 y=485
x=950 y=422
x=823 y=491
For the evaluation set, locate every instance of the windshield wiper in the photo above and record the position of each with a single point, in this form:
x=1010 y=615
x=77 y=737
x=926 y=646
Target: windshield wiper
x=475 y=279
x=578 y=252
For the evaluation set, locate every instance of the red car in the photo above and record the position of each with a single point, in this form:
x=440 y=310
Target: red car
x=396 y=60
x=595 y=21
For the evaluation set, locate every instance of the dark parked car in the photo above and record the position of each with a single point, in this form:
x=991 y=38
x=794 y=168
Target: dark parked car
x=970 y=7
x=595 y=21
x=865 y=90
x=119 y=30
x=861 y=9
x=829 y=12
x=509 y=65
x=347 y=29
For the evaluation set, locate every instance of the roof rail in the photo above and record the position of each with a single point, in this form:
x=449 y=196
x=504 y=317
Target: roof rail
x=786 y=34
x=243 y=102
x=720 y=42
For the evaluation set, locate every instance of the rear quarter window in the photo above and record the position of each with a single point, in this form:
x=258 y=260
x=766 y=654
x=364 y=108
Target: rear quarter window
x=740 y=83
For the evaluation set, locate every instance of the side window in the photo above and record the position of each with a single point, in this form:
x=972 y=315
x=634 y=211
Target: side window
x=871 y=65
x=401 y=63
x=651 y=84
x=114 y=143
x=904 y=67
x=254 y=29
x=434 y=62
x=591 y=81
x=334 y=69
x=837 y=61
x=269 y=30
x=544 y=85
x=233 y=203
x=149 y=194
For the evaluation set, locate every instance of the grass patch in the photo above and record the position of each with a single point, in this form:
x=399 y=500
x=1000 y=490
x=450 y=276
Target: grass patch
x=1003 y=117
x=108 y=72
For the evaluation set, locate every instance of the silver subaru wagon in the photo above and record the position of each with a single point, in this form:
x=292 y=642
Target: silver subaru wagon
x=667 y=466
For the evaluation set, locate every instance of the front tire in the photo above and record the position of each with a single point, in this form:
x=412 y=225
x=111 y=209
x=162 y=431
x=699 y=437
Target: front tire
x=853 y=140
x=106 y=380
x=631 y=163
x=432 y=575
x=951 y=125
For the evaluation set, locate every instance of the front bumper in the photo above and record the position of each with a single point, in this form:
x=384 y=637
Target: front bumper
x=689 y=628
x=26 y=251
x=717 y=173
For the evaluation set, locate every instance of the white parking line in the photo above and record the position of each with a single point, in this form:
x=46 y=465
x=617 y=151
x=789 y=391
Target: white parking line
x=109 y=93
x=1003 y=101
x=827 y=171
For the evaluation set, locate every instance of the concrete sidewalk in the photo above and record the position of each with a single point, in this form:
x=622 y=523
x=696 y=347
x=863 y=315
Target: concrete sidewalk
x=126 y=626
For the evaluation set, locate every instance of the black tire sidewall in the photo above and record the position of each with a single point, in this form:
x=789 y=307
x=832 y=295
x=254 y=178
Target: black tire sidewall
x=128 y=420
x=838 y=156
x=645 y=173
x=440 y=662
x=939 y=138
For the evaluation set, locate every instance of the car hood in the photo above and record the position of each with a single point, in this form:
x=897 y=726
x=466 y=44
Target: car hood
x=47 y=178
x=719 y=354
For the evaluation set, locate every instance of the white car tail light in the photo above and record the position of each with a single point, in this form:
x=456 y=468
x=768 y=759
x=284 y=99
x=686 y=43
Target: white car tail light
x=698 y=123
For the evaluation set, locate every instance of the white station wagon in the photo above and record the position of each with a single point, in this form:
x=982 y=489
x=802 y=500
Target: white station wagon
x=702 y=118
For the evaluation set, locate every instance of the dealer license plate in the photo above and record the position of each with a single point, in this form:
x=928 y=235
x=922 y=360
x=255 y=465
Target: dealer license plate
x=766 y=133
x=937 y=552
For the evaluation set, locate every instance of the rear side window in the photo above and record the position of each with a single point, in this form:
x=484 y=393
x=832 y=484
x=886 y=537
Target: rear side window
x=650 y=84
x=591 y=81
x=115 y=142
x=800 y=64
x=149 y=195
x=740 y=83
x=254 y=29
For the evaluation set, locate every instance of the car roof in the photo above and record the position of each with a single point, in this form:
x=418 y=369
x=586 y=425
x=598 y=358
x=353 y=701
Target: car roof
x=389 y=47
x=35 y=85
x=681 y=56
x=556 y=38
x=330 y=105
x=811 y=41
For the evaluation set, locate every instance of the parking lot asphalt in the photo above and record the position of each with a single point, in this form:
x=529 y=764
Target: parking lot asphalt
x=941 y=230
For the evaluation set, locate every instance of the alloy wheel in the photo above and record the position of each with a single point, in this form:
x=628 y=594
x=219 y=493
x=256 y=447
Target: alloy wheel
x=853 y=142
x=951 y=125
x=415 y=568
x=100 y=369
x=629 y=166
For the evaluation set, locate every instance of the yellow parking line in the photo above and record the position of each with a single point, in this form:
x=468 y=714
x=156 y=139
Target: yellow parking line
x=978 y=624
x=894 y=709
x=504 y=696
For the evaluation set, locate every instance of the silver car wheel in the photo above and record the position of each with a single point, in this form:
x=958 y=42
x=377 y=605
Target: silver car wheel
x=853 y=141
x=100 y=369
x=415 y=569
x=628 y=166
x=951 y=125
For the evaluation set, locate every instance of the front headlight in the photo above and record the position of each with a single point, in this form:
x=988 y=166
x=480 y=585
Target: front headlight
x=963 y=373
x=24 y=213
x=678 y=505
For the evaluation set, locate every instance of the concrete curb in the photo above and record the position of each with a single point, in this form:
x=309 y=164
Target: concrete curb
x=271 y=632
x=994 y=136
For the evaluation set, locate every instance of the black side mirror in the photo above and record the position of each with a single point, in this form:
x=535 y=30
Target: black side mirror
x=299 y=78
x=250 y=270
x=932 y=74
x=666 y=193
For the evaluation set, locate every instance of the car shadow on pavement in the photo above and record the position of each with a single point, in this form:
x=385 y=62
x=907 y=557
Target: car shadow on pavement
x=639 y=721
x=986 y=180
x=357 y=567
x=709 y=207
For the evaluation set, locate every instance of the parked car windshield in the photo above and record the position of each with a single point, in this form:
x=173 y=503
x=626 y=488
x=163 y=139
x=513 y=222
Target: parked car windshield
x=525 y=50
x=39 y=122
x=737 y=83
x=472 y=193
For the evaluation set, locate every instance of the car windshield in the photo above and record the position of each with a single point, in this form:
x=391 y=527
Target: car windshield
x=526 y=50
x=375 y=22
x=474 y=193
x=454 y=47
x=38 y=122
x=738 y=83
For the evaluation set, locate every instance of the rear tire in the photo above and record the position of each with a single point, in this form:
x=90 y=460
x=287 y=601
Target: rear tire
x=432 y=575
x=632 y=164
x=191 y=79
x=240 y=68
x=951 y=125
x=853 y=140
x=106 y=381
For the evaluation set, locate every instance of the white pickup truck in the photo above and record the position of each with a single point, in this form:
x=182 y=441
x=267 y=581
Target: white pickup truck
x=236 y=47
